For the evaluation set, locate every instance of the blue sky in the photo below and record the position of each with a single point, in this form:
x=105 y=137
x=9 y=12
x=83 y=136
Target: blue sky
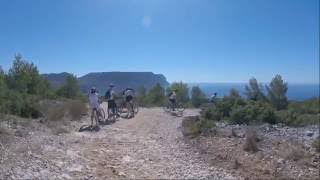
x=188 y=40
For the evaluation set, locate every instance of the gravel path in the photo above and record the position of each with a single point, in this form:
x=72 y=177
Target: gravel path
x=148 y=146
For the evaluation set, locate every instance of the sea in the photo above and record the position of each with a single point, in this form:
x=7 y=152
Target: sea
x=297 y=92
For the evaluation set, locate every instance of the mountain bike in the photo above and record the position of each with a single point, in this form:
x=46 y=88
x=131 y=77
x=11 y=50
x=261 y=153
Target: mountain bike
x=98 y=116
x=128 y=109
x=113 y=112
x=172 y=107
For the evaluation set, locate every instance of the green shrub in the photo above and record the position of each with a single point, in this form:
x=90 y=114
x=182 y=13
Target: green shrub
x=311 y=106
x=277 y=93
x=268 y=115
x=211 y=113
x=254 y=91
x=292 y=118
x=239 y=116
x=156 y=96
x=202 y=126
x=253 y=113
x=70 y=89
x=224 y=107
x=206 y=125
x=31 y=108
x=197 y=97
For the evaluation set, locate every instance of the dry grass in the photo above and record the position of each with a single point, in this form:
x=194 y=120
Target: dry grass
x=189 y=126
x=59 y=114
x=294 y=152
x=316 y=144
x=251 y=144
x=74 y=109
x=5 y=135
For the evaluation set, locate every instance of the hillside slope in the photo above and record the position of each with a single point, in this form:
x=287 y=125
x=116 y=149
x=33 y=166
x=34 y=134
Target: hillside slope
x=121 y=80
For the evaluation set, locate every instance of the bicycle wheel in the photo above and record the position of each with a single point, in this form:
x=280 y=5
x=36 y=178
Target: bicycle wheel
x=112 y=117
x=167 y=107
x=123 y=110
x=101 y=113
x=180 y=108
x=135 y=108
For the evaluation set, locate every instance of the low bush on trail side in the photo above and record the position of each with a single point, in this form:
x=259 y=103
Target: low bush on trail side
x=69 y=109
x=294 y=152
x=194 y=125
x=316 y=144
x=251 y=144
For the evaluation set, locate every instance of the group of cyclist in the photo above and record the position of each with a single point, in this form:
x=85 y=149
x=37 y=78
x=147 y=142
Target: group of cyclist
x=128 y=95
x=110 y=96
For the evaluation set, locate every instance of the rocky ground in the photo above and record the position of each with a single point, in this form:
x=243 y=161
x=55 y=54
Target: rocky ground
x=148 y=146
x=283 y=152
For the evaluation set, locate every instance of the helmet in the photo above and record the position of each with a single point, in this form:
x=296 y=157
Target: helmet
x=93 y=90
x=111 y=85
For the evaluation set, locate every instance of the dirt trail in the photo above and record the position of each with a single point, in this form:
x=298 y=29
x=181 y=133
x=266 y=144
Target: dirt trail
x=147 y=146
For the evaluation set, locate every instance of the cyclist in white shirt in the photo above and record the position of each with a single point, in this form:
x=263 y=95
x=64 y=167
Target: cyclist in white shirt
x=128 y=95
x=94 y=102
x=173 y=99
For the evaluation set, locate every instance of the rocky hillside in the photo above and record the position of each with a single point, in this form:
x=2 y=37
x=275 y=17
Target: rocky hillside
x=122 y=80
x=101 y=80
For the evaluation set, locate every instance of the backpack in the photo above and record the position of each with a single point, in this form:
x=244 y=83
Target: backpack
x=170 y=94
x=108 y=94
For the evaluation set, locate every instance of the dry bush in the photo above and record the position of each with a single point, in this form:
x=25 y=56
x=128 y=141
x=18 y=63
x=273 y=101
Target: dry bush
x=188 y=126
x=56 y=111
x=251 y=144
x=59 y=114
x=76 y=109
x=316 y=144
x=294 y=152
x=53 y=110
x=5 y=135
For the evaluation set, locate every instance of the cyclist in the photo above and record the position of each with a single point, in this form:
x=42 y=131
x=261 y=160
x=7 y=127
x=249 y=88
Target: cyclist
x=94 y=103
x=173 y=99
x=128 y=95
x=110 y=96
x=213 y=98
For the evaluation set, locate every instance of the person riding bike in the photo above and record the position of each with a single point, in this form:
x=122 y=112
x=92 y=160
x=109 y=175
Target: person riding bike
x=110 y=97
x=128 y=95
x=94 y=103
x=213 y=98
x=173 y=99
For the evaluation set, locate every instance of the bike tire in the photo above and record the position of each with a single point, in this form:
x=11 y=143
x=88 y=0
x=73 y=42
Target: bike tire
x=135 y=108
x=102 y=113
x=180 y=108
x=167 y=108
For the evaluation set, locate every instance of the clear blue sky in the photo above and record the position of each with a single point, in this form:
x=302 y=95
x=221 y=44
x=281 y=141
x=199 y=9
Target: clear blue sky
x=189 y=40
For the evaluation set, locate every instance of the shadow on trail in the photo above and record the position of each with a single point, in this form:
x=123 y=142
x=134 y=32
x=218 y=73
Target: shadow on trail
x=176 y=113
x=107 y=122
x=89 y=128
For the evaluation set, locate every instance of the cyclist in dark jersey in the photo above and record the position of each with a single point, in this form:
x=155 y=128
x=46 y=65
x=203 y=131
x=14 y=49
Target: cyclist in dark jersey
x=110 y=97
